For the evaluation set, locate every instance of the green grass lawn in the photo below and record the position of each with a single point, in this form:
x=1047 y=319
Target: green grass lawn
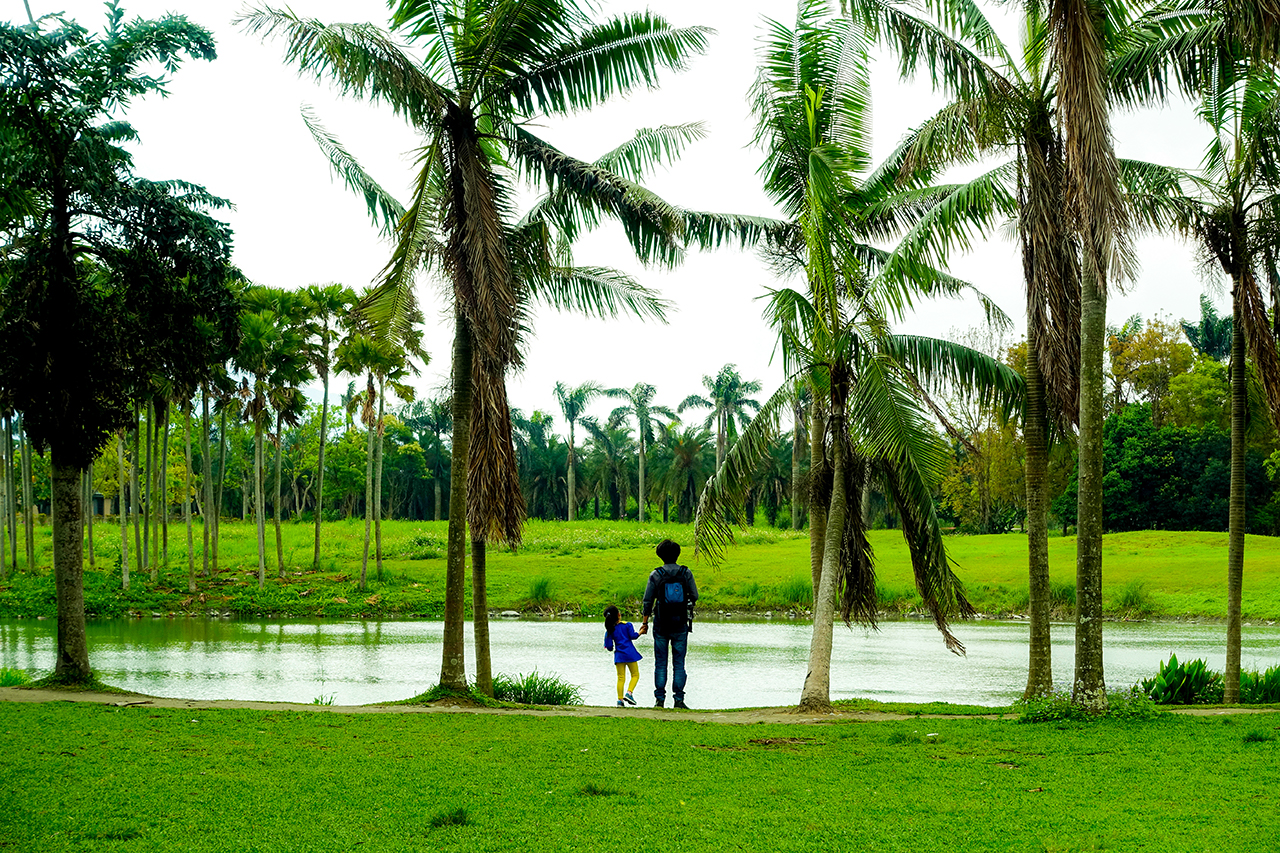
x=94 y=778
x=585 y=565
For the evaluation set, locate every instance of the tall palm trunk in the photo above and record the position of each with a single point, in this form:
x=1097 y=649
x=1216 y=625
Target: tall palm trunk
x=279 y=456
x=377 y=483
x=324 y=426
x=163 y=492
x=480 y=617
x=28 y=502
x=6 y=510
x=259 y=510
x=819 y=495
x=640 y=494
x=573 y=485
x=11 y=493
x=368 y=491
x=135 y=490
x=187 y=492
x=1035 y=435
x=206 y=508
x=148 y=561
x=1236 y=509
x=222 y=479
x=123 y=508
x=797 y=455
x=68 y=572
x=453 y=667
x=816 y=694
x=1089 y=687
x=439 y=490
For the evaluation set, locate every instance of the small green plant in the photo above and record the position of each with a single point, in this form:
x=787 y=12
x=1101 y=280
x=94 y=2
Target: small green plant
x=1134 y=600
x=797 y=592
x=424 y=547
x=536 y=689
x=1062 y=595
x=1052 y=706
x=324 y=699
x=1192 y=683
x=1131 y=704
x=1260 y=688
x=1256 y=736
x=13 y=677
x=540 y=590
x=457 y=817
x=591 y=789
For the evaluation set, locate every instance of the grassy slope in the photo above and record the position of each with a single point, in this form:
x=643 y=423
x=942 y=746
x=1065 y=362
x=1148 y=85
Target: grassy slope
x=588 y=564
x=90 y=778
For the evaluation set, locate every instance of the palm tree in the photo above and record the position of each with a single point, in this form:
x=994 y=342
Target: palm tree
x=573 y=403
x=728 y=401
x=1212 y=336
x=690 y=464
x=430 y=420
x=327 y=303
x=639 y=406
x=1234 y=219
x=609 y=459
x=870 y=387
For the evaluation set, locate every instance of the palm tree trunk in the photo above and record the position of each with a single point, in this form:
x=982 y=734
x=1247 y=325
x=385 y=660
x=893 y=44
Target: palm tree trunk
x=324 y=426
x=28 y=502
x=206 y=502
x=573 y=490
x=147 y=560
x=1089 y=687
x=816 y=694
x=480 y=618
x=6 y=510
x=88 y=513
x=279 y=455
x=135 y=489
x=11 y=496
x=1035 y=434
x=368 y=498
x=640 y=494
x=259 y=510
x=377 y=484
x=797 y=455
x=163 y=491
x=453 y=667
x=68 y=572
x=222 y=479
x=439 y=494
x=123 y=509
x=186 y=503
x=818 y=504
x=1236 y=508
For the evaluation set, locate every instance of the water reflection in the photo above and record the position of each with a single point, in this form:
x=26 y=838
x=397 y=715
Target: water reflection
x=731 y=664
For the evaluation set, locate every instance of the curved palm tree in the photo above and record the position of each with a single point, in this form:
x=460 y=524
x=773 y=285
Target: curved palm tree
x=573 y=403
x=870 y=387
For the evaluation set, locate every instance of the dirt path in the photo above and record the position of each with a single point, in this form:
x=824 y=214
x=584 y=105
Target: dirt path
x=734 y=717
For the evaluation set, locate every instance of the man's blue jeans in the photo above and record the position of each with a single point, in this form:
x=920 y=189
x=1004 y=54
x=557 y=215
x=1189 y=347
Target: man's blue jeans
x=679 y=644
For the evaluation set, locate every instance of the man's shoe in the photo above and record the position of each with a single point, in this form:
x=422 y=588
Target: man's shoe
x=658 y=704
x=680 y=704
x=631 y=700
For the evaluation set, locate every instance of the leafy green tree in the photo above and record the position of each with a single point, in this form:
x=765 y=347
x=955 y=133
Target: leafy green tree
x=64 y=361
x=1149 y=361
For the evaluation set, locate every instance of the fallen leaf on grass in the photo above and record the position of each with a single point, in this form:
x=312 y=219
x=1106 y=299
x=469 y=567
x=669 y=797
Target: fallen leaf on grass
x=373 y=599
x=340 y=601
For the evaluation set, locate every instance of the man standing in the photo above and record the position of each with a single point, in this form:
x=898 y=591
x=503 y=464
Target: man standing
x=669 y=596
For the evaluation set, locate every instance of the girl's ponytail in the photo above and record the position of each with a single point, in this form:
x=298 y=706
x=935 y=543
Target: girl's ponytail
x=611 y=618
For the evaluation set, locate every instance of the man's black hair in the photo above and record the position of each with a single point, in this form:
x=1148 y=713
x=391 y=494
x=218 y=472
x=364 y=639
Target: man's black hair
x=668 y=551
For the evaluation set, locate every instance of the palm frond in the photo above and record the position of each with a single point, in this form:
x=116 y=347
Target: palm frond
x=383 y=208
x=598 y=292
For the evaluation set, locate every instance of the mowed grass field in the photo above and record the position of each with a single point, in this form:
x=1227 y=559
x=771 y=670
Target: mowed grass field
x=585 y=565
x=99 y=778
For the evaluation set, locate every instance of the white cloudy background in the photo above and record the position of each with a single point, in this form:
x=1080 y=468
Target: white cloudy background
x=233 y=125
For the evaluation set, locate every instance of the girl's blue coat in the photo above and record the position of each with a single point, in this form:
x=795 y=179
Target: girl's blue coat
x=619 y=642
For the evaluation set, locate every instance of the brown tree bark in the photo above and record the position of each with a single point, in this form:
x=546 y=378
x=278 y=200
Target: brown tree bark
x=1236 y=506
x=68 y=571
x=453 y=667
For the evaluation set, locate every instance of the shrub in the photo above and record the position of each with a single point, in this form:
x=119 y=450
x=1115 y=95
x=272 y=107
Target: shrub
x=1054 y=705
x=1131 y=704
x=535 y=689
x=13 y=677
x=1260 y=688
x=1191 y=683
x=1258 y=737
x=540 y=590
x=457 y=817
x=1062 y=595
x=1133 y=599
x=798 y=591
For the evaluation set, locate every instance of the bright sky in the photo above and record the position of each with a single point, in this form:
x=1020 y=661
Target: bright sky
x=233 y=125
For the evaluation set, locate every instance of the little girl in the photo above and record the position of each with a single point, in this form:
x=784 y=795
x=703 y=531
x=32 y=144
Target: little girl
x=617 y=639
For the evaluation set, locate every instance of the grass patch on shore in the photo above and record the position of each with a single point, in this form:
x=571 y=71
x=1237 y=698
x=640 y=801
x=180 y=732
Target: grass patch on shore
x=584 y=566
x=97 y=778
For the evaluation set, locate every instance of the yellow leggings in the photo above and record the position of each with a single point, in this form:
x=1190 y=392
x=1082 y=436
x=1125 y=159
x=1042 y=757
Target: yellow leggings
x=622 y=676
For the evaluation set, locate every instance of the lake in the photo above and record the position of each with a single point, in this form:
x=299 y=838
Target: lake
x=731 y=664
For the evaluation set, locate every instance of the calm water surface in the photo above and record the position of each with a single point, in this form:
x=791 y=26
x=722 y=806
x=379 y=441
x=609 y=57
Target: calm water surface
x=731 y=664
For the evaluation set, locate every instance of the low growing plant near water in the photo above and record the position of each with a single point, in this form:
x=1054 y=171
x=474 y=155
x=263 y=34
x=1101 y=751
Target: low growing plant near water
x=1191 y=683
x=1260 y=688
x=13 y=677
x=1126 y=704
x=536 y=689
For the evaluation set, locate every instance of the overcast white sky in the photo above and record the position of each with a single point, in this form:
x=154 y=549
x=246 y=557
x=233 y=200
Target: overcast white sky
x=233 y=125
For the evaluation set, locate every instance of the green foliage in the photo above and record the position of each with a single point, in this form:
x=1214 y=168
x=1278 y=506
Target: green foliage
x=1062 y=595
x=1132 y=599
x=13 y=677
x=798 y=591
x=1130 y=704
x=1260 y=688
x=535 y=689
x=425 y=546
x=324 y=699
x=1257 y=736
x=1190 y=683
x=540 y=590
x=591 y=789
